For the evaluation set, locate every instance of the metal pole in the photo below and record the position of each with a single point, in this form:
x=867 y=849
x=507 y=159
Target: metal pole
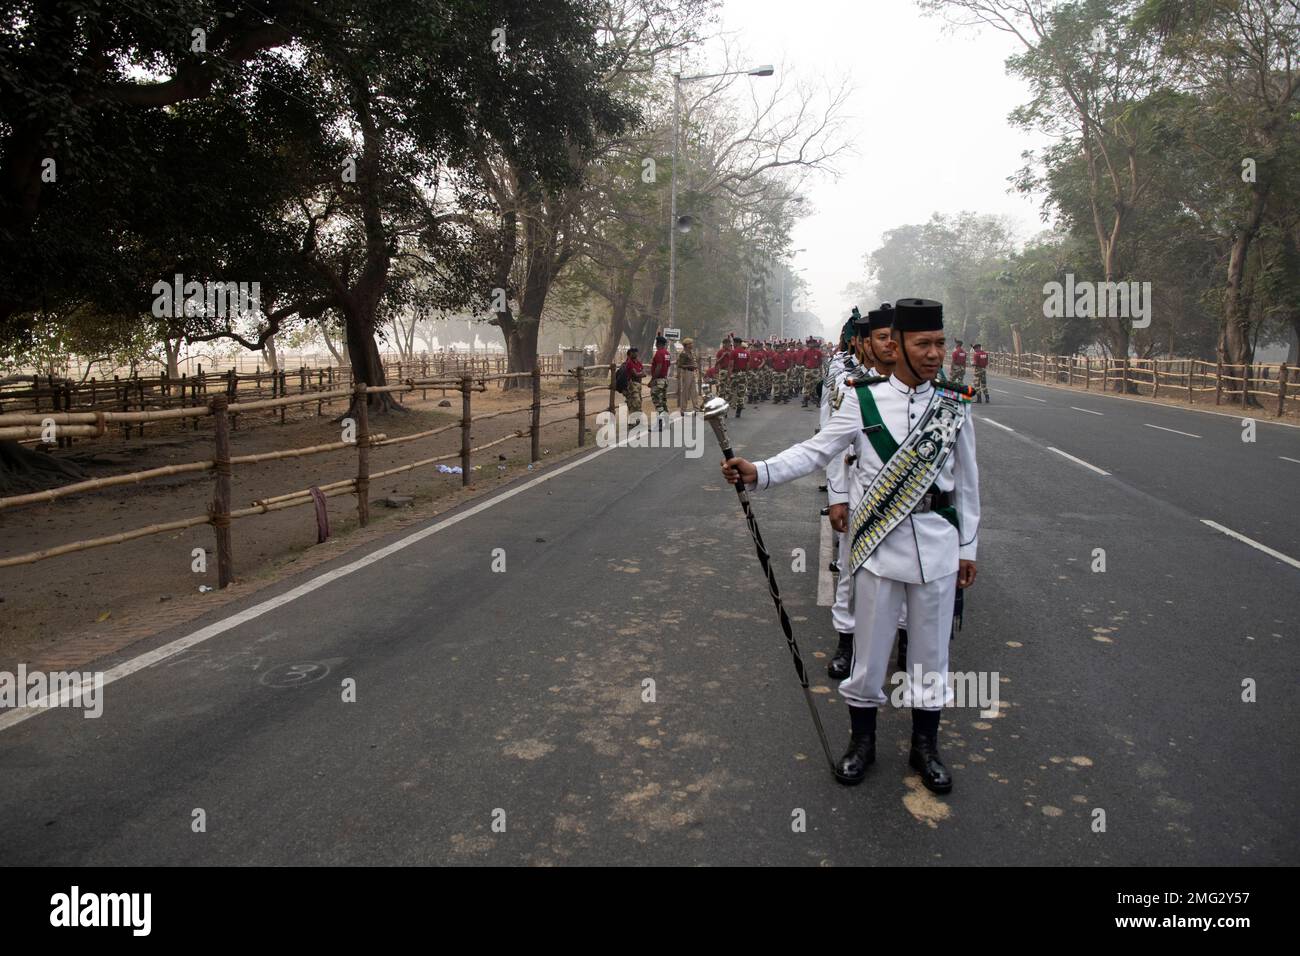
x=781 y=275
x=672 y=217
x=746 y=308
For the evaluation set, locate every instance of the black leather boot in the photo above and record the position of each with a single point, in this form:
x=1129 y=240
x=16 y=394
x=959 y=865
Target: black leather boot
x=851 y=769
x=842 y=662
x=924 y=757
x=902 y=648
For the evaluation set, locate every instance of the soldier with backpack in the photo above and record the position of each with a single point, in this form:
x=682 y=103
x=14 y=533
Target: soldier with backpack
x=629 y=376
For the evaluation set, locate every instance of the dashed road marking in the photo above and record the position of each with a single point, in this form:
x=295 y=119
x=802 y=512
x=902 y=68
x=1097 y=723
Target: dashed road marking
x=1286 y=559
x=1079 y=461
x=1088 y=410
x=1174 y=430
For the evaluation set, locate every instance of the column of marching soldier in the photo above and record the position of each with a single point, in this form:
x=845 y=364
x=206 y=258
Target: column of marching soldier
x=897 y=445
x=772 y=371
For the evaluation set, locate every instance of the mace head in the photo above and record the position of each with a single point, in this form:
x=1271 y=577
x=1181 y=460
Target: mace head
x=716 y=407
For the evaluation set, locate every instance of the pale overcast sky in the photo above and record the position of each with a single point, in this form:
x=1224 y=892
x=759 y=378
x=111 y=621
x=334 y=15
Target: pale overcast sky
x=928 y=116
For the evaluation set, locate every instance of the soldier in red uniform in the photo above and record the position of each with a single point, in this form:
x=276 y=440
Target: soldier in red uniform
x=959 y=364
x=811 y=360
x=739 y=376
x=981 y=361
x=722 y=362
x=757 y=362
x=781 y=362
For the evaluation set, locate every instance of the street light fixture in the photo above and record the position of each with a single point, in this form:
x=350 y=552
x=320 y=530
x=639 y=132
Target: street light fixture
x=685 y=222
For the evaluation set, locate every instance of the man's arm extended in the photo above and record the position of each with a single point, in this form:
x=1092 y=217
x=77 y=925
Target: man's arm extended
x=803 y=458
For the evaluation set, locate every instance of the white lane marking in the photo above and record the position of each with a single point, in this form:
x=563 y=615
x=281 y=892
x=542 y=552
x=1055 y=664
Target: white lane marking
x=1254 y=544
x=989 y=421
x=1032 y=399
x=148 y=659
x=1001 y=391
x=1088 y=410
x=825 y=581
x=1174 y=430
x=1285 y=458
x=1079 y=461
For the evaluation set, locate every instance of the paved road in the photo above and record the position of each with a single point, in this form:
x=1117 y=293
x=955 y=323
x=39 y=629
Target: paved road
x=521 y=694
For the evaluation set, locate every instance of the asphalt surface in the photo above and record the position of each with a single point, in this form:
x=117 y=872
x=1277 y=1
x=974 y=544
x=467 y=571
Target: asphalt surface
x=519 y=697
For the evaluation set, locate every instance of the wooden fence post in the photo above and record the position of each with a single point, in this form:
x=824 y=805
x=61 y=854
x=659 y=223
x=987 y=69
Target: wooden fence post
x=466 y=383
x=537 y=414
x=360 y=403
x=1155 y=378
x=581 y=407
x=1087 y=372
x=219 y=512
x=1282 y=374
x=1218 y=382
x=613 y=374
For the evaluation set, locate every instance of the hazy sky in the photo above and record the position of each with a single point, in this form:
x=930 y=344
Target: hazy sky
x=928 y=118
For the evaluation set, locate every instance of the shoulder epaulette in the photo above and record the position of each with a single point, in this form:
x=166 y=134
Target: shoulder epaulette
x=965 y=393
x=865 y=380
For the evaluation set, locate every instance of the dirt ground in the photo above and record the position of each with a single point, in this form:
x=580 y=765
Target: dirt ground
x=70 y=609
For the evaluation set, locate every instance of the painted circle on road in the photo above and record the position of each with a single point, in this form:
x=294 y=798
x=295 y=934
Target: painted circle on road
x=294 y=675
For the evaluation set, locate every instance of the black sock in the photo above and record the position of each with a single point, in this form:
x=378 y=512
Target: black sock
x=846 y=641
x=863 y=720
x=925 y=722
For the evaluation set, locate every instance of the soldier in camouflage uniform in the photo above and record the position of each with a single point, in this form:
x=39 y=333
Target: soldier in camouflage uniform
x=812 y=372
x=633 y=394
x=659 y=379
x=722 y=362
x=755 y=373
x=780 y=374
x=739 y=375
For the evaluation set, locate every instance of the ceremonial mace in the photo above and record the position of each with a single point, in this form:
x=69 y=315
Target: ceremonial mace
x=715 y=413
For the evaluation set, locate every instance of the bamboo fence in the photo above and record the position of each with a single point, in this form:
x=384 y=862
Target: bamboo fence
x=1271 y=385
x=328 y=384
x=222 y=411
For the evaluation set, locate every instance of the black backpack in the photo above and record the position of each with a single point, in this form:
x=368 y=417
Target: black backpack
x=620 y=379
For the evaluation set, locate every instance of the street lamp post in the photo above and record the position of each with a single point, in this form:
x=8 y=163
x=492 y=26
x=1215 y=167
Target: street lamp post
x=781 y=274
x=678 y=80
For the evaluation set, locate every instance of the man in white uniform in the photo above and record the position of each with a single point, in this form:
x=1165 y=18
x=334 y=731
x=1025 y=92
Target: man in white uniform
x=857 y=363
x=929 y=538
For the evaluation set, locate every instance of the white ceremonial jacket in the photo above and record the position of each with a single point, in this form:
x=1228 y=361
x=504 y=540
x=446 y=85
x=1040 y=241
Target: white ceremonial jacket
x=834 y=370
x=837 y=477
x=923 y=547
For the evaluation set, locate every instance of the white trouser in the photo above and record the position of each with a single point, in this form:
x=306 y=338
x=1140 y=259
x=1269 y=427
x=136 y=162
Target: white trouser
x=877 y=602
x=842 y=609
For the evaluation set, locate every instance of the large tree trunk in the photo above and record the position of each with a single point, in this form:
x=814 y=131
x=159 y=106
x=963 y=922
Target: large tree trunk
x=172 y=347
x=1236 y=300
x=271 y=354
